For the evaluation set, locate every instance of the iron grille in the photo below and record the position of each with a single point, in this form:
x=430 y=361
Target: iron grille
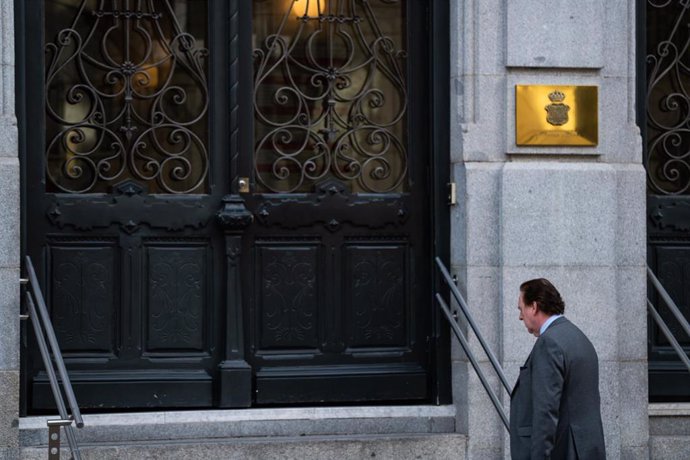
x=330 y=94
x=667 y=155
x=126 y=95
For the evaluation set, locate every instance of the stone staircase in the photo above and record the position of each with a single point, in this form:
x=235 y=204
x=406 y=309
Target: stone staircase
x=400 y=433
x=669 y=431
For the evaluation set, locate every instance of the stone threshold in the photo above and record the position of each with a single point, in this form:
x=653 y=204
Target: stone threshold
x=411 y=446
x=249 y=423
x=669 y=409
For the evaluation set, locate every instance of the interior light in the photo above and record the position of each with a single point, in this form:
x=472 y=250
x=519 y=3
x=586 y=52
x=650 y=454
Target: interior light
x=311 y=8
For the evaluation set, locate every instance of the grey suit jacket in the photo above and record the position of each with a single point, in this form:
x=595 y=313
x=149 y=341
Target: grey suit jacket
x=555 y=408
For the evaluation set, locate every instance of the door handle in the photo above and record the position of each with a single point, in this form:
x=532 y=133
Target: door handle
x=243 y=184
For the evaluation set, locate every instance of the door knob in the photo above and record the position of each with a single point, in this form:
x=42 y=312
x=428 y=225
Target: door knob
x=243 y=184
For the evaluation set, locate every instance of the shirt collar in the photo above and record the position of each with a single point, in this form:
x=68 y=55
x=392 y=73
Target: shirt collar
x=548 y=322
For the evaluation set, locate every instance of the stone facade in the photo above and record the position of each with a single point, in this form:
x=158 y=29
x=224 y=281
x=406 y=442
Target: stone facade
x=574 y=215
x=9 y=241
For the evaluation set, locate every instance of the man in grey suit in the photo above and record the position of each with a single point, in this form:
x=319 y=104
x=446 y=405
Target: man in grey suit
x=554 y=408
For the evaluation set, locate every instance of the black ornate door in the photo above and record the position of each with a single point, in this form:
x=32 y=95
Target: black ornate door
x=231 y=202
x=665 y=123
x=125 y=167
x=337 y=261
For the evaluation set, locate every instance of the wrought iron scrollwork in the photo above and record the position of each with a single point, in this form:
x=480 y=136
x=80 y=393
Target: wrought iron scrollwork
x=126 y=97
x=330 y=95
x=667 y=156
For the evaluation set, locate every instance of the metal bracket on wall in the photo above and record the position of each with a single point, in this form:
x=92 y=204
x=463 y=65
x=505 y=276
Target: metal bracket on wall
x=54 y=437
x=452 y=200
x=22 y=316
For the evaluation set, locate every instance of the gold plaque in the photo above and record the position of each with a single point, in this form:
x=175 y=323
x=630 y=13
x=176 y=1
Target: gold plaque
x=556 y=115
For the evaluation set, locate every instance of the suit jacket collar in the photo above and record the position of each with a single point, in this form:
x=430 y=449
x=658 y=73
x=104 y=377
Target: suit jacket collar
x=558 y=321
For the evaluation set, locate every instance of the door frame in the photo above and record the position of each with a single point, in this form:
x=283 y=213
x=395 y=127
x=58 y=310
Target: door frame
x=668 y=377
x=239 y=68
x=441 y=178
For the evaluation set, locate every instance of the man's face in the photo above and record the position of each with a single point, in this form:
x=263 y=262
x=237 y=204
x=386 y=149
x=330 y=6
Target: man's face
x=528 y=315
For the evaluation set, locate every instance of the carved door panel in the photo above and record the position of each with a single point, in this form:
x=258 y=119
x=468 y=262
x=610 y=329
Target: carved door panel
x=124 y=174
x=337 y=262
x=664 y=123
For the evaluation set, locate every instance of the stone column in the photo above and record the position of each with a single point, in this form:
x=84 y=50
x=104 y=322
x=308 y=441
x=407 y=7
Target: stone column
x=575 y=215
x=9 y=241
x=477 y=152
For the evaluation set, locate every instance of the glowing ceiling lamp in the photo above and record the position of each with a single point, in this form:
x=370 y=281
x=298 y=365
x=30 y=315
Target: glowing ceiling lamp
x=311 y=8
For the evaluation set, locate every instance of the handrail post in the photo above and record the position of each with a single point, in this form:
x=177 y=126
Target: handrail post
x=54 y=437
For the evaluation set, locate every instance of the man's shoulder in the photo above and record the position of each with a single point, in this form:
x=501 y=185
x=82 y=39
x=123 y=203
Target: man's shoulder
x=560 y=321
x=565 y=334
x=549 y=341
x=561 y=325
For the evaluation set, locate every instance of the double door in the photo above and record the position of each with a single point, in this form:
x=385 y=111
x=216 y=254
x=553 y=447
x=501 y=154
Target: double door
x=231 y=203
x=664 y=115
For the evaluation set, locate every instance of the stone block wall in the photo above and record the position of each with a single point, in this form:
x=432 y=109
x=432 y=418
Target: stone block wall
x=575 y=215
x=9 y=241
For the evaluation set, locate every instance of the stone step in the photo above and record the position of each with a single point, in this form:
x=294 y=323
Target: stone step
x=669 y=419
x=669 y=447
x=225 y=424
x=669 y=431
x=331 y=432
x=343 y=447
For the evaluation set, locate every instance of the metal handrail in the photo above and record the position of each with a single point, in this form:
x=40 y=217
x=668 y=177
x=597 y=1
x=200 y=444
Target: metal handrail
x=43 y=328
x=466 y=312
x=452 y=319
x=660 y=321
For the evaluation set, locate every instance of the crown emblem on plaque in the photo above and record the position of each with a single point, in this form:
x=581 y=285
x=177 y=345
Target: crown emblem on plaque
x=557 y=111
x=556 y=96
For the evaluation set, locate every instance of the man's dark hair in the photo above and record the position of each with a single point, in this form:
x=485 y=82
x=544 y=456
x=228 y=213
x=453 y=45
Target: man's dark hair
x=548 y=298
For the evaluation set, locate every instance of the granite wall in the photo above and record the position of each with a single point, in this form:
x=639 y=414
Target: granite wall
x=575 y=215
x=9 y=241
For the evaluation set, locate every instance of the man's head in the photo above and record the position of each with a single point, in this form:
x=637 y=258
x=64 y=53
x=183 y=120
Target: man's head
x=538 y=300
